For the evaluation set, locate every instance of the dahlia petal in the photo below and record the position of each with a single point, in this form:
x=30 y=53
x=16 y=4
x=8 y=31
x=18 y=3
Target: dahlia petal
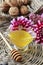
x=15 y=25
x=26 y=20
x=42 y=15
x=11 y=27
x=36 y=29
x=20 y=18
x=31 y=15
x=38 y=38
x=42 y=26
x=37 y=41
x=12 y=22
x=39 y=22
x=16 y=28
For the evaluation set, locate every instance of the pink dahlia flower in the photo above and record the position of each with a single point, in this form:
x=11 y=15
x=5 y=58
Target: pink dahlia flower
x=38 y=28
x=21 y=23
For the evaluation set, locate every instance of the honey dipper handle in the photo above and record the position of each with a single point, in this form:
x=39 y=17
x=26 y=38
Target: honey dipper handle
x=5 y=41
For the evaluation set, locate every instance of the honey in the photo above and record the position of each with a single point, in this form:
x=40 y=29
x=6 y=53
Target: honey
x=20 y=38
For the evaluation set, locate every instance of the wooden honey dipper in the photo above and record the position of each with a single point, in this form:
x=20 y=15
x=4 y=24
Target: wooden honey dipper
x=14 y=53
